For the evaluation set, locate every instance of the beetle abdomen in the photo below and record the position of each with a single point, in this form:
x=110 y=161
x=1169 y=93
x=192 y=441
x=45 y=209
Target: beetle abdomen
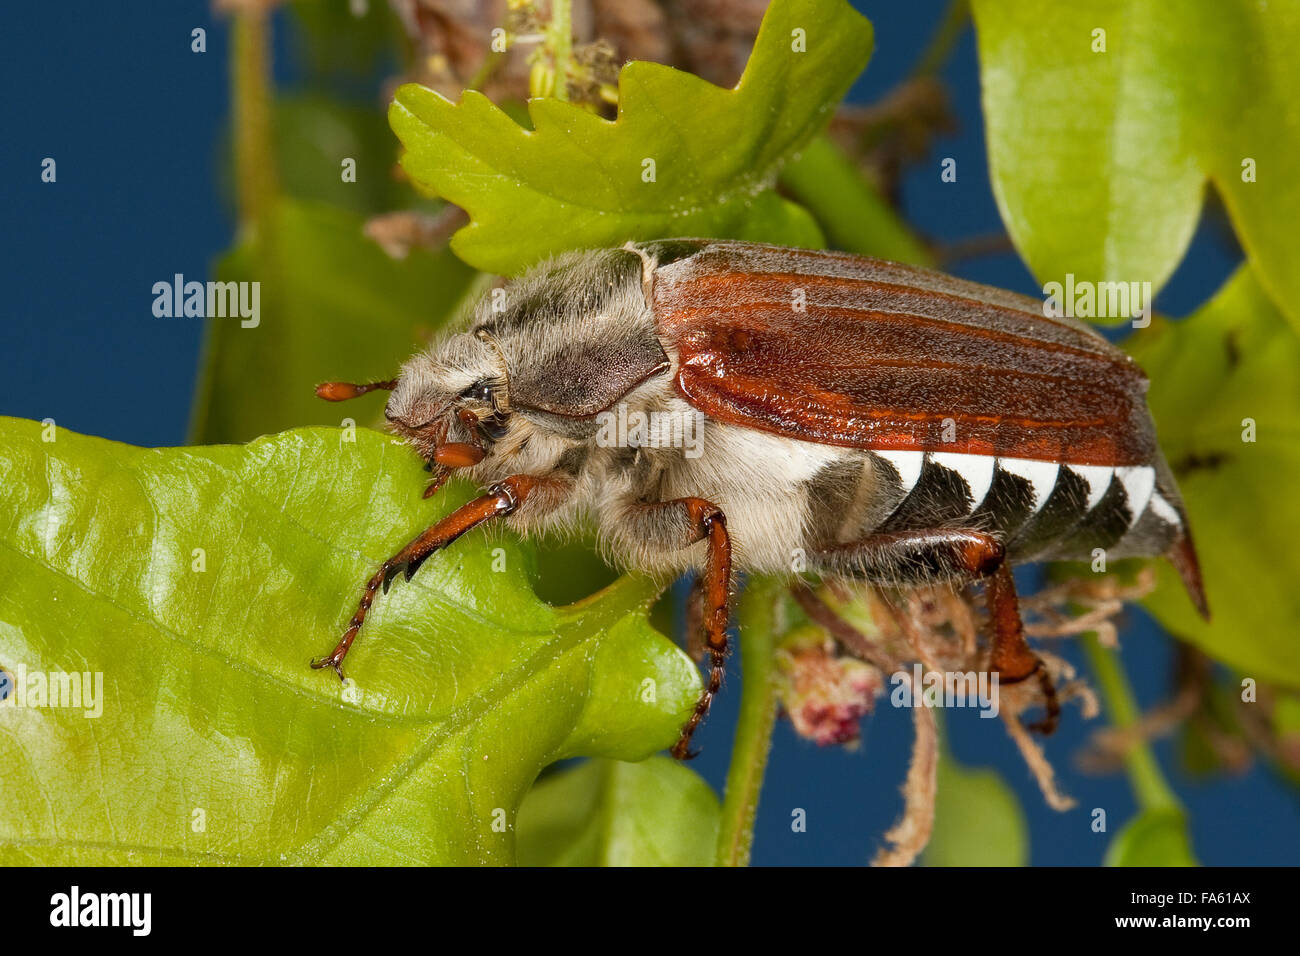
x=1040 y=509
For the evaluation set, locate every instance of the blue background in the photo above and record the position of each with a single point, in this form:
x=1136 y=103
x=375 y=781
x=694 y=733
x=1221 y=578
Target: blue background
x=136 y=123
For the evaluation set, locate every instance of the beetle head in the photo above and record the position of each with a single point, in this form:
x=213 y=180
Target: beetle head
x=451 y=402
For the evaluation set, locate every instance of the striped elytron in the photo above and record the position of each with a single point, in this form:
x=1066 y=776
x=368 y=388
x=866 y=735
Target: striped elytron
x=862 y=420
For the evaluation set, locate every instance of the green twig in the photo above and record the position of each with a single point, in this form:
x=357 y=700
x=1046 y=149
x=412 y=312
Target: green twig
x=561 y=44
x=754 y=731
x=849 y=207
x=256 y=190
x=945 y=39
x=255 y=177
x=1149 y=784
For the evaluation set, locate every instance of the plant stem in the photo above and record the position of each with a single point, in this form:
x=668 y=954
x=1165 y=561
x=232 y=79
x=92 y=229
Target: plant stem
x=1149 y=784
x=256 y=192
x=945 y=38
x=853 y=213
x=255 y=176
x=757 y=717
x=561 y=44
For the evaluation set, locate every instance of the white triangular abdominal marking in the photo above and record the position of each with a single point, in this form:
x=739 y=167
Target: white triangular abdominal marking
x=1165 y=511
x=1139 y=482
x=1041 y=476
x=1098 y=479
x=975 y=470
x=908 y=464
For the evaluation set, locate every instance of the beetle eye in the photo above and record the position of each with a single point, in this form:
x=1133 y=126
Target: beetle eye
x=480 y=391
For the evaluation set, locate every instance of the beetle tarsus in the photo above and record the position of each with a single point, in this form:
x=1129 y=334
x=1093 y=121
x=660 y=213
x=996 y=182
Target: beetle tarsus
x=718 y=666
x=1051 y=699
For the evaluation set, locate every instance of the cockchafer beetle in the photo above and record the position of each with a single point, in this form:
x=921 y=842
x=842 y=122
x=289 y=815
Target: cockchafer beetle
x=889 y=424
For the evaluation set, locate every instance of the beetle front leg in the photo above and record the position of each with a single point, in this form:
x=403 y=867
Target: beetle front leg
x=503 y=498
x=925 y=557
x=679 y=523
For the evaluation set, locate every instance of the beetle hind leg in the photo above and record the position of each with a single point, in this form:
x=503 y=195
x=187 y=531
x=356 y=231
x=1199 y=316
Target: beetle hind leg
x=1011 y=655
x=912 y=558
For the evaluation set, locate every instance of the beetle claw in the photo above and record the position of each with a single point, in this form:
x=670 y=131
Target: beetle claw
x=681 y=752
x=319 y=663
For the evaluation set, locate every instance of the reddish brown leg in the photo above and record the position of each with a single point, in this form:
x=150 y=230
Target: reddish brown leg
x=501 y=499
x=825 y=617
x=695 y=621
x=926 y=556
x=1011 y=655
x=708 y=522
x=670 y=526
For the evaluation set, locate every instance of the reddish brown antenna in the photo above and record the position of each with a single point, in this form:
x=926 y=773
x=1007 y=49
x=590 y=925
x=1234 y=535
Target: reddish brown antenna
x=342 y=391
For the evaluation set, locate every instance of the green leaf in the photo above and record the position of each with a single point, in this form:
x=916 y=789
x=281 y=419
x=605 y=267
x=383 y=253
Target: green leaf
x=217 y=743
x=856 y=217
x=609 y=813
x=333 y=305
x=1286 y=716
x=577 y=180
x=314 y=134
x=311 y=134
x=1100 y=160
x=1156 y=837
x=1234 y=360
x=977 y=820
x=339 y=39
